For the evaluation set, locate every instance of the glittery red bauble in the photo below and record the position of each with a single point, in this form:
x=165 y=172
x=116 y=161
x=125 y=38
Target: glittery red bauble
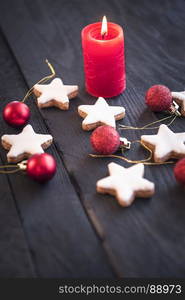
x=105 y=140
x=41 y=167
x=16 y=113
x=179 y=171
x=158 y=98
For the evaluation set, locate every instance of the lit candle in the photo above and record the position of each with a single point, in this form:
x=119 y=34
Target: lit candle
x=104 y=62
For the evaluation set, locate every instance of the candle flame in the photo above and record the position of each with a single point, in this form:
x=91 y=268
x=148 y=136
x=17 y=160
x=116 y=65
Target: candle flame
x=104 y=28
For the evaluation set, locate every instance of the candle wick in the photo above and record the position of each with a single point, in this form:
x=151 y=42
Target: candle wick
x=103 y=35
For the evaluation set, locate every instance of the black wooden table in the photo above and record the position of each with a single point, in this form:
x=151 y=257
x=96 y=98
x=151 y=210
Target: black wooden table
x=64 y=228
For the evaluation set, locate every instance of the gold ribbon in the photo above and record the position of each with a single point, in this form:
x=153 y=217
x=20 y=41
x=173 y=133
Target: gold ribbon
x=147 y=126
x=43 y=80
x=145 y=161
x=9 y=171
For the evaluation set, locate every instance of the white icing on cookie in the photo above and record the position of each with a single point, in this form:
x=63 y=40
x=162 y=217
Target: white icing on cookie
x=166 y=144
x=55 y=90
x=101 y=112
x=126 y=183
x=179 y=97
x=26 y=142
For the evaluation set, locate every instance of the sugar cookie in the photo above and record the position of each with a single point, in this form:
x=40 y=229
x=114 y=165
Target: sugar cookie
x=25 y=144
x=165 y=144
x=55 y=94
x=100 y=114
x=125 y=183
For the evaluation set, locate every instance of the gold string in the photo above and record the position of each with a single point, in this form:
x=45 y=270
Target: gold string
x=9 y=171
x=43 y=80
x=145 y=161
x=125 y=127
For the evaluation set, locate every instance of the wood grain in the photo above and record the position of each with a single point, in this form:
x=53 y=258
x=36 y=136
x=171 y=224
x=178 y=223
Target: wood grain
x=147 y=239
x=41 y=225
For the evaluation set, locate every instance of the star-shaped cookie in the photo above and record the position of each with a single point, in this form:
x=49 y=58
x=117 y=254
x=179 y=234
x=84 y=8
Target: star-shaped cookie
x=165 y=144
x=25 y=144
x=100 y=114
x=179 y=97
x=55 y=94
x=125 y=183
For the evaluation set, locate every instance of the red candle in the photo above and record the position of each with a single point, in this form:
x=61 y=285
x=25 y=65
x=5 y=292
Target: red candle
x=104 y=62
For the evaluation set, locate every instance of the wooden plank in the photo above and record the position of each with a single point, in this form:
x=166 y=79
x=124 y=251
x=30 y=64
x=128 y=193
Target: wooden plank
x=15 y=257
x=59 y=237
x=146 y=239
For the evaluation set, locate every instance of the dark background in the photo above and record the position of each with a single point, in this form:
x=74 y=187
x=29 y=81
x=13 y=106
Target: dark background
x=64 y=228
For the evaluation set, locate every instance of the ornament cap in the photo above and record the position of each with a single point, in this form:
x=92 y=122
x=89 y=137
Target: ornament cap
x=174 y=109
x=124 y=143
x=22 y=165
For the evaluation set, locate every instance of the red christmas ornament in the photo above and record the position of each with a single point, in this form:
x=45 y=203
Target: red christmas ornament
x=16 y=113
x=158 y=98
x=105 y=140
x=179 y=171
x=41 y=167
